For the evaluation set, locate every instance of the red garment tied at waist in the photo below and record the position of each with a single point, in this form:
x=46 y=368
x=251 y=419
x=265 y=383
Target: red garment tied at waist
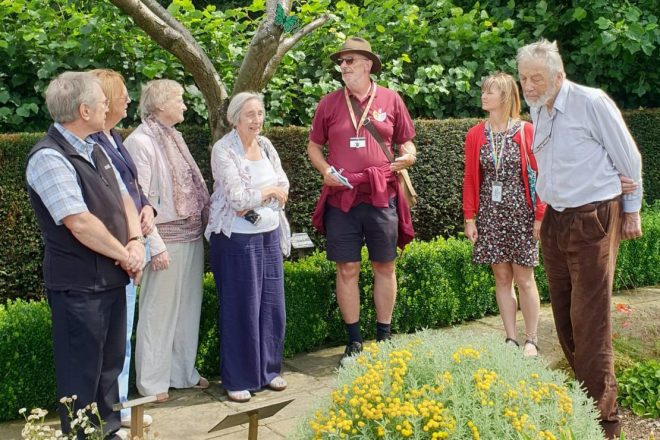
x=374 y=185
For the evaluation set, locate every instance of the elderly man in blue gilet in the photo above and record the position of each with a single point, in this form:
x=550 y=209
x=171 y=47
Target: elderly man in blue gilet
x=92 y=245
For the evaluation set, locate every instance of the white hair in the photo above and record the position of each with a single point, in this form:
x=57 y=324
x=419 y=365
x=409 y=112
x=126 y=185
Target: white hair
x=156 y=93
x=545 y=51
x=67 y=92
x=237 y=103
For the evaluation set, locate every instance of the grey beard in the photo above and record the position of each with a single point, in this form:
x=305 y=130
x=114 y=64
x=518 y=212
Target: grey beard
x=541 y=100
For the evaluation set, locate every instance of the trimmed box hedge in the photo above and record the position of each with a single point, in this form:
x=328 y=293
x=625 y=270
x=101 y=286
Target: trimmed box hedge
x=438 y=286
x=437 y=177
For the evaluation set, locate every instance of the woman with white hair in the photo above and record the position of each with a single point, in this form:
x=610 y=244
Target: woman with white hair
x=171 y=293
x=249 y=233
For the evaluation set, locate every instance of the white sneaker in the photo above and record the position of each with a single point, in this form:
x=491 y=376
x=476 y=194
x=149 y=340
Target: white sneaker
x=146 y=421
x=122 y=434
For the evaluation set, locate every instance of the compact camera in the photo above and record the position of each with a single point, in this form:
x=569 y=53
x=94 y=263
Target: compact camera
x=252 y=217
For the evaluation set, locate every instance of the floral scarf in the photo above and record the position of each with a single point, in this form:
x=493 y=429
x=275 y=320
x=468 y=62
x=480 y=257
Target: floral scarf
x=191 y=196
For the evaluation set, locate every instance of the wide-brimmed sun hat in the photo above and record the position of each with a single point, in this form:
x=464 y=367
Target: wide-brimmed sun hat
x=361 y=46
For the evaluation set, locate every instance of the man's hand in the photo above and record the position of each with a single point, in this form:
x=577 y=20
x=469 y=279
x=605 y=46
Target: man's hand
x=471 y=232
x=160 y=261
x=135 y=259
x=536 y=230
x=628 y=185
x=631 y=226
x=330 y=180
x=147 y=220
x=403 y=162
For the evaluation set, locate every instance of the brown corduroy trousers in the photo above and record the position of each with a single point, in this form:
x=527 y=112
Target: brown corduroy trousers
x=579 y=248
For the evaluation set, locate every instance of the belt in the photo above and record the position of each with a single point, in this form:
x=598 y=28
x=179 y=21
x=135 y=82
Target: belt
x=588 y=207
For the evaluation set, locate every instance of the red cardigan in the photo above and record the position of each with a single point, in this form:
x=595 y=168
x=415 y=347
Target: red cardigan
x=472 y=178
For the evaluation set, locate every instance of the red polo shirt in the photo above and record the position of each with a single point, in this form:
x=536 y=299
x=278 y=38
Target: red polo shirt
x=332 y=125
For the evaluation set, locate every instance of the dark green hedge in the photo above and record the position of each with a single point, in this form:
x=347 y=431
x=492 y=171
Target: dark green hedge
x=437 y=177
x=438 y=286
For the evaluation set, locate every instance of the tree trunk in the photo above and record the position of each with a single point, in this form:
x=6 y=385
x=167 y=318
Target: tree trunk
x=266 y=50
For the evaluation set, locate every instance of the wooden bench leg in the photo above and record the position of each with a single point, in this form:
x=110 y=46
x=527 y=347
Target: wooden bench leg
x=137 y=419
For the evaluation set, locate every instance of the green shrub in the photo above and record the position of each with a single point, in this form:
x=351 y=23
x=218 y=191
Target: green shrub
x=208 y=349
x=450 y=385
x=27 y=371
x=639 y=388
x=437 y=177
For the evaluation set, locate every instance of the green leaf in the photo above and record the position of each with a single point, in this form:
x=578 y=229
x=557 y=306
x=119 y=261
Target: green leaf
x=603 y=23
x=579 y=14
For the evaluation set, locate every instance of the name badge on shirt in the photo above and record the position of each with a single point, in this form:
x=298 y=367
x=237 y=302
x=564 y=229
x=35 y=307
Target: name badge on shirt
x=496 y=195
x=357 y=142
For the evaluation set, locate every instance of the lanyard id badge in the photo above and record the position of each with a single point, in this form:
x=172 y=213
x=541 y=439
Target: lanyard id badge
x=357 y=142
x=498 y=156
x=496 y=193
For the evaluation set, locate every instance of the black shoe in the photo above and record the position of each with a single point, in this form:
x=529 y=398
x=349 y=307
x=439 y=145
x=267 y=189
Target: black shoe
x=352 y=349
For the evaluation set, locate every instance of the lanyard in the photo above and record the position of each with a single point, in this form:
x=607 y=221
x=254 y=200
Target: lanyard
x=498 y=154
x=365 y=113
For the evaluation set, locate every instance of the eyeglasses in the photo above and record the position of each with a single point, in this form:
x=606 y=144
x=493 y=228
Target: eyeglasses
x=548 y=138
x=349 y=60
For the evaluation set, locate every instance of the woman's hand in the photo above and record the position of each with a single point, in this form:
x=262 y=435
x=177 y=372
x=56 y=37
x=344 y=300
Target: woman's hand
x=536 y=230
x=471 y=231
x=160 y=261
x=147 y=219
x=274 y=192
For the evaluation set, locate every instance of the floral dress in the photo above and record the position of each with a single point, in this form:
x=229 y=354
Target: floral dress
x=505 y=227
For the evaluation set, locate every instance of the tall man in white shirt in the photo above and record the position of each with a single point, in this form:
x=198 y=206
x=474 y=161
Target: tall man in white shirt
x=584 y=152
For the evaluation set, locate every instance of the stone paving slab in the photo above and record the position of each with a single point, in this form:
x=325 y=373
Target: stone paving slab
x=191 y=413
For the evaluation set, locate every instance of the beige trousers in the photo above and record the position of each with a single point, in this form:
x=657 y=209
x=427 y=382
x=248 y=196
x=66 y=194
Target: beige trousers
x=168 y=324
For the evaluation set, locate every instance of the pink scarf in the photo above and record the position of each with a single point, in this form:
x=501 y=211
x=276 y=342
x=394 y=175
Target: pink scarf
x=191 y=196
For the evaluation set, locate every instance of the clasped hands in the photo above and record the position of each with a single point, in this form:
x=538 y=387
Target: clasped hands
x=134 y=260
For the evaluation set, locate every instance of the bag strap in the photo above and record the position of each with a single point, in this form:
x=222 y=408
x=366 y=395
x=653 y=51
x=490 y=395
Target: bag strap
x=372 y=129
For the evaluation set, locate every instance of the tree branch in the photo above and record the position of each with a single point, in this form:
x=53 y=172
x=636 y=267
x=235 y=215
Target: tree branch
x=173 y=37
x=288 y=43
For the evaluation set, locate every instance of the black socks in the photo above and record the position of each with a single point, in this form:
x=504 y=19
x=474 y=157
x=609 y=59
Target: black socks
x=354 y=334
x=383 y=331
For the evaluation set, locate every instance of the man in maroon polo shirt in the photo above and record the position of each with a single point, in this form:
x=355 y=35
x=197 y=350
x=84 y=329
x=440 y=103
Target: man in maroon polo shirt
x=362 y=205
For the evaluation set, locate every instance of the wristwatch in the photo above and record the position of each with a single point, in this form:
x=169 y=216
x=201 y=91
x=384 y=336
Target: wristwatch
x=139 y=238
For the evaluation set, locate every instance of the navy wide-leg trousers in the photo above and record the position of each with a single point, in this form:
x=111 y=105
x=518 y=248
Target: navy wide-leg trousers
x=250 y=283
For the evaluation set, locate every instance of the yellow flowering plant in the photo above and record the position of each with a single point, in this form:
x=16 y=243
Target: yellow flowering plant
x=451 y=385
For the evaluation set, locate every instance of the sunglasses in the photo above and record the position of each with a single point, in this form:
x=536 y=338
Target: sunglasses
x=349 y=60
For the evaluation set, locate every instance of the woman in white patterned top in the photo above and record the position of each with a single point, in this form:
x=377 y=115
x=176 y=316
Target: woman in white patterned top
x=249 y=233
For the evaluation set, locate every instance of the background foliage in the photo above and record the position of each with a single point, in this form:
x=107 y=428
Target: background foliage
x=437 y=177
x=435 y=51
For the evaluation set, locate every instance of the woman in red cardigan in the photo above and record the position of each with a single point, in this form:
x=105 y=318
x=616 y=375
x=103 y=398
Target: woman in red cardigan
x=502 y=212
